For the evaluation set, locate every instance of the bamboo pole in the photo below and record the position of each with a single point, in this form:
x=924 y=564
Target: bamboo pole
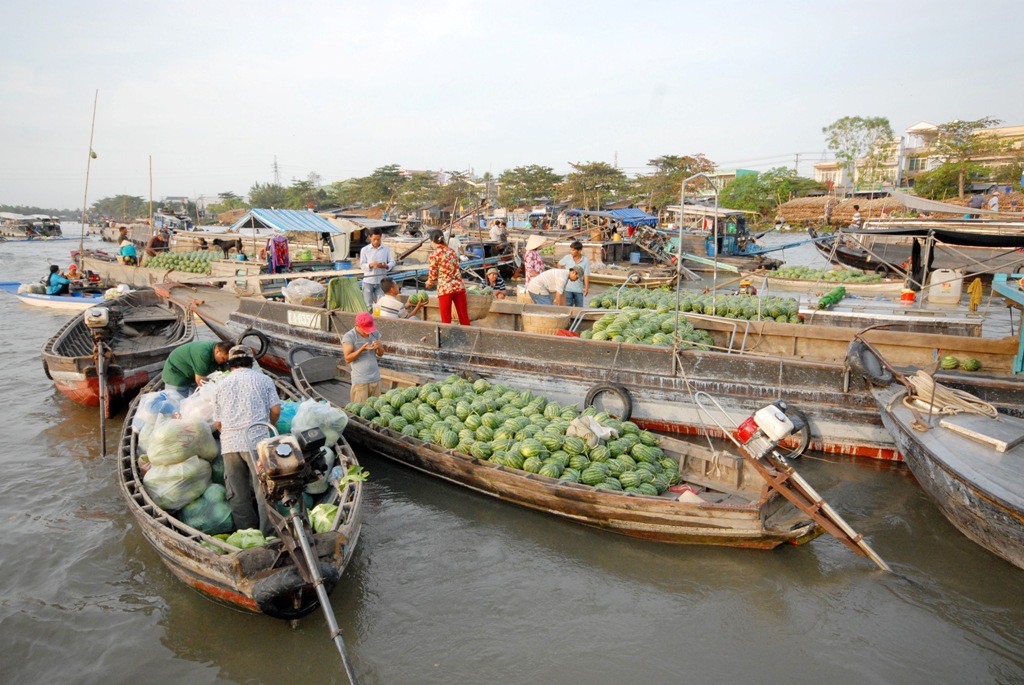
x=88 y=167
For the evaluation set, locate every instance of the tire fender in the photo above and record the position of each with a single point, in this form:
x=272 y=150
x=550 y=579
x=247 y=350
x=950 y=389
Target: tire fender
x=864 y=363
x=259 y=335
x=619 y=391
x=802 y=431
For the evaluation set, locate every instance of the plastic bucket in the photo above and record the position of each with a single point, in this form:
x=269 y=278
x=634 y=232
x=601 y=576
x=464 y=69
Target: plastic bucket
x=907 y=296
x=634 y=257
x=343 y=265
x=478 y=252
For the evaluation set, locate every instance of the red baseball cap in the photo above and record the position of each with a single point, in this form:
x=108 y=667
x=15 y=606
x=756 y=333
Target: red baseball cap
x=364 y=322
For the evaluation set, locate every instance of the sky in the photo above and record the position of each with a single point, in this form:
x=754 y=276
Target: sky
x=213 y=91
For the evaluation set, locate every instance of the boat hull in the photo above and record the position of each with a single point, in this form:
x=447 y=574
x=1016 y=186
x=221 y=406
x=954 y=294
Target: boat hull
x=978 y=515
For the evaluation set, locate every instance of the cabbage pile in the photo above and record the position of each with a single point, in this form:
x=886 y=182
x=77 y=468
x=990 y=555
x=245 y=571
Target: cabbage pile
x=807 y=273
x=524 y=431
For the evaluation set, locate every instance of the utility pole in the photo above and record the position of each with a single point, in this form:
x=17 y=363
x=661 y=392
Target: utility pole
x=277 y=173
x=796 y=164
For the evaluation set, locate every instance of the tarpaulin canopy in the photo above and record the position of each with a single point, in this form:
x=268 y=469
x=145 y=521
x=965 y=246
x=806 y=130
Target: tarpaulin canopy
x=633 y=217
x=924 y=205
x=287 y=220
x=951 y=236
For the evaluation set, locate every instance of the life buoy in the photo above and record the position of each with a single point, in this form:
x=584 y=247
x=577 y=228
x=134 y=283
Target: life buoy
x=618 y=391
x=863 y=362
x=259 y=335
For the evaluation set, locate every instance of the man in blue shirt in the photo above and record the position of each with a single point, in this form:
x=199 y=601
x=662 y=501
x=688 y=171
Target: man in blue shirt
x=576 y=291
x=55 y=283
x=376 y=261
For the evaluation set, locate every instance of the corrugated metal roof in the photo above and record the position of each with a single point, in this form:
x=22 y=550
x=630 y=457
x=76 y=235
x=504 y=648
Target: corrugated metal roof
x=634 y=217
x=287 y=220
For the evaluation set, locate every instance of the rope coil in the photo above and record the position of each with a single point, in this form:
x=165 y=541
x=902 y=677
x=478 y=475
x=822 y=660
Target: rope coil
x=927 y=395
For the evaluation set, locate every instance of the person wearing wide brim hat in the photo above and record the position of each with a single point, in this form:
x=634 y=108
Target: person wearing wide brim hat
x=533 y=263
x=746 y=287
x=362 y=347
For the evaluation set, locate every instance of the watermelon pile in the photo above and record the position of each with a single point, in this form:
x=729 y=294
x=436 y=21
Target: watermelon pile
x=663 y=300
x=478 y=290
x=648 y=327
x=524 y=431
x=807 y=273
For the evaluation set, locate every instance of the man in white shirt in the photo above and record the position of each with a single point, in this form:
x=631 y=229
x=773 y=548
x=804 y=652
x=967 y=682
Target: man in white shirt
x=390 y=306
x=549 y=286
x=993 y=202
x=497 y=232
x=376 y=260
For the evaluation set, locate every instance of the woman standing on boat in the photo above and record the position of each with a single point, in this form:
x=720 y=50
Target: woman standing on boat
x=533 y=263
x=444 y=270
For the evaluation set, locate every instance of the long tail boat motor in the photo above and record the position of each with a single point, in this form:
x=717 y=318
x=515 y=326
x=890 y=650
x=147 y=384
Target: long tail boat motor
x=285 y=464
x=102 y=322
x=763 y=431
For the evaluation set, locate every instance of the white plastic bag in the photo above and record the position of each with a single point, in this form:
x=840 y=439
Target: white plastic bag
x=313 y=414
x=319 y=487
x=174 y=440
x=303 y=291
x=153 y=404
x=590 y=430
x=195 y=407
x=175 y=485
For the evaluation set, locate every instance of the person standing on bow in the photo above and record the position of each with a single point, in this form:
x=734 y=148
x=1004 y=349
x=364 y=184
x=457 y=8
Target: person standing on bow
x=361 y=347
x=376 y=260
x=533 y=263
x=444 y=271
x=576 y=291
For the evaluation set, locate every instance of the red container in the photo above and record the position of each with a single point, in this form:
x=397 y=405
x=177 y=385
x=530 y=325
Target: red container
x=746 y=430
x=907 y=296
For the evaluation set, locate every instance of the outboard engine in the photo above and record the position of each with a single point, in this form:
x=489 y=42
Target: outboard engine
x=286 y=464
x=102 y=322
x=762 y=432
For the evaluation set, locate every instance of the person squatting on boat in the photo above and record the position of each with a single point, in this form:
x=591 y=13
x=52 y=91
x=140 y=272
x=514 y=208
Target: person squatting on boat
x=244 y=397
x=549 y=287
x=390 y=306
x=361 y=347
x=497 y=283
x=127 y=254
x=55 y=283
x=376 y=260
x=189 y=364
x=444 y=271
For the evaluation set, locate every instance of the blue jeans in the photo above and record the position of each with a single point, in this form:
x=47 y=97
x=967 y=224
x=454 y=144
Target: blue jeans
x=371 y=293
x=183 y=390
x=541 y=299
x=573 y=299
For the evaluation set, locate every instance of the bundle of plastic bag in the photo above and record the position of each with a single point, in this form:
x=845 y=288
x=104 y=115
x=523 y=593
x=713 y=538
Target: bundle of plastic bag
x=284 y=421
x=318 y=487
x=313 y=414
x=590 y=430
x=172 y=487
x=304 y=291
x=246 y=538
x=210 y=513
x=172 y=441
x=195 y=407
x=208 y=389
x=153 y=404
x=32 y=288
x=322 y=517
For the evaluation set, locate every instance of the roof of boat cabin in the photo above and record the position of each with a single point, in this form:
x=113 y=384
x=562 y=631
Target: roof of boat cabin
x=288 y=220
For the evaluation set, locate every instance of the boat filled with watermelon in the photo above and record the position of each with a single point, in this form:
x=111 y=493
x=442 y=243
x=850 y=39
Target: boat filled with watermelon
x=586 y=467
x=170 y=474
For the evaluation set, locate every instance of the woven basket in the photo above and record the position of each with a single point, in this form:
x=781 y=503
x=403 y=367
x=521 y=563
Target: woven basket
x=307 y=301
x=547 y=324
x=479 y=306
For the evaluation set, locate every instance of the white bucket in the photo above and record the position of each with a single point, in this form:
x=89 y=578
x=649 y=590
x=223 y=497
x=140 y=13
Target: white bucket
x=945 y=286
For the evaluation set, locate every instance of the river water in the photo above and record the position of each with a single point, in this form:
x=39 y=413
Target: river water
x=447 y=586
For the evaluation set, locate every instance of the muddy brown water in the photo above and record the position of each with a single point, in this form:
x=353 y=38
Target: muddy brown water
x=448 y=586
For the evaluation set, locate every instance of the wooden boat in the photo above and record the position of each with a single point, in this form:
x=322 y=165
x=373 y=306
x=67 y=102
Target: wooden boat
x=260 y=579
x=884 y=288
x=736 y=507
x=146 y=328
x=754 y=362
x=74 y=301
x=644 y=276
x=978 y=489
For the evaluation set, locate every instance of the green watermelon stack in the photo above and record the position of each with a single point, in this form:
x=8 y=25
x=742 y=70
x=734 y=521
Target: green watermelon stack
x=517 y=430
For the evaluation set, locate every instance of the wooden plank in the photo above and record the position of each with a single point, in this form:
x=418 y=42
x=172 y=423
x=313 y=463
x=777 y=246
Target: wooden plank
x=1002 y=433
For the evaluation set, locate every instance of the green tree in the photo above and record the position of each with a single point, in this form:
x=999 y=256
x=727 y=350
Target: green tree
x=418 y=190
x=869 y=139
x=943 y=181
x=382 y=185
x=267 y=195
x=662 y=187
x=764 y=192
x=590 y=183
x=961 y=144
x=524 y=184
x=305 y=193
x=459 y=190
x=227 y=204
x=1009 y=174
x=121 y=207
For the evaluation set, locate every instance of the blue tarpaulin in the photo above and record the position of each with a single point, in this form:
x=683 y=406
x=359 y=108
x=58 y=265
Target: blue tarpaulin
x=287 y=220
x=633 y=217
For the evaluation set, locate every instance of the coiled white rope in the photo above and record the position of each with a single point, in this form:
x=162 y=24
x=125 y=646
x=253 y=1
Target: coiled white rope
x=927 y=395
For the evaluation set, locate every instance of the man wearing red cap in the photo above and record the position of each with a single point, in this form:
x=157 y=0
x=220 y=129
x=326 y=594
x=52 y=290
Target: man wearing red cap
x=362 y=347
